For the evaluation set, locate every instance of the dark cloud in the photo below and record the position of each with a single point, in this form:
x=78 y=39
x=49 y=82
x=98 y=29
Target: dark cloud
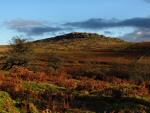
x=41 y=30
x=93 y=24
x=108 y=32
x=135 y=22
x=31 y=27
x=102 y=23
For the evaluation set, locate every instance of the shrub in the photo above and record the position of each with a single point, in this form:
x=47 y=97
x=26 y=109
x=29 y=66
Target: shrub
x=18 y=54
x=25 y=74
x=13 y=86
x=55 y=62
x=32 y=108
x=140 y=72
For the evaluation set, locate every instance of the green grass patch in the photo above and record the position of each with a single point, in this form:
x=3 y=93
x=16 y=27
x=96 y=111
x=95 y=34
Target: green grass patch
x=7 y=104
x=41 y=87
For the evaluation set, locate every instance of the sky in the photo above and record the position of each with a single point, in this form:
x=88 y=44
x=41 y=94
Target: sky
x=37 y=19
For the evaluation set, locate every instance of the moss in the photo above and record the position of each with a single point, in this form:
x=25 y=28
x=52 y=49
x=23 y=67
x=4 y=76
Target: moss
x=33 y=108
x=41 y=87
x=7 y=104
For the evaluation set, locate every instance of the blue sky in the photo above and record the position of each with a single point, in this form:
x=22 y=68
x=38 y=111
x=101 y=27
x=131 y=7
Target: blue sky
x=36 y=19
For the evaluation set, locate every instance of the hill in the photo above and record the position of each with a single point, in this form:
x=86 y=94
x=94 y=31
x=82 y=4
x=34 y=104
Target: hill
x=77 y=35
x=80 y=41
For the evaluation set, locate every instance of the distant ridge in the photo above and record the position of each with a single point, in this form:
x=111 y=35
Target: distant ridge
x=77 y=35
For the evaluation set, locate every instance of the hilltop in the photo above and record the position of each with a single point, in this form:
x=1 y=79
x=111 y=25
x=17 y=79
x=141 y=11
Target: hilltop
x=76 y=36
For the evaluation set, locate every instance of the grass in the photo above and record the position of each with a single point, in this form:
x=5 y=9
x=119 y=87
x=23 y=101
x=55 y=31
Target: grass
x=41 y=87
x=7 y=104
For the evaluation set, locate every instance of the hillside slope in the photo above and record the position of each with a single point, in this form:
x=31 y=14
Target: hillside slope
x=81 y=41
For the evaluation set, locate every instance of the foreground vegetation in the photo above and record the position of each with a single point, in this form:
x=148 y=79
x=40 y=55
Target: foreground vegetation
x=75 y=73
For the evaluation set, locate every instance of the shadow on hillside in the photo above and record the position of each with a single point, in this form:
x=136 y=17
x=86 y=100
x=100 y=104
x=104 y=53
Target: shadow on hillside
x=109 y=104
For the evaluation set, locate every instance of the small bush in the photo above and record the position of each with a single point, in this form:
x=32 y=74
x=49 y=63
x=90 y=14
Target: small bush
x=18 y=54
x=25 y=74
x=55 y=62
x=140 y=72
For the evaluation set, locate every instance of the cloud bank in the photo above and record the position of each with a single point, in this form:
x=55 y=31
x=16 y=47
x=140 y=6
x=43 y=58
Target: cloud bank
x=34 y=28
x=102 y=23
x=141 y=26
x=31 y=27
